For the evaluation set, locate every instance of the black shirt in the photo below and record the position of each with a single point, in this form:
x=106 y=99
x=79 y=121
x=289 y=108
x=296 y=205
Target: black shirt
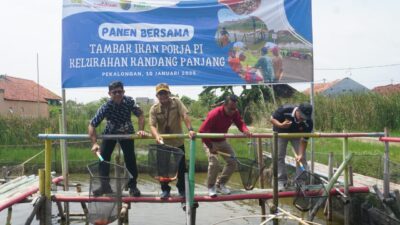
x=287 y=112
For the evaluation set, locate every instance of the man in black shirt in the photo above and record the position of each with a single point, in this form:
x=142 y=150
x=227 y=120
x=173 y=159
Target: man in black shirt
x=291 y=119
x=117 y=111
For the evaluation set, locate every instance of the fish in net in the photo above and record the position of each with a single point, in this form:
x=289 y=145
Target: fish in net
x=163 y=162
x=111 y=187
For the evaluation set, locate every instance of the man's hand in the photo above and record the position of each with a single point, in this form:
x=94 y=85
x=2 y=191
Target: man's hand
x=247 y=133
x=285 y=124
x=141 y=133
x=299 y=158
x=160 y=140
x=192 y=134
x=95 y=148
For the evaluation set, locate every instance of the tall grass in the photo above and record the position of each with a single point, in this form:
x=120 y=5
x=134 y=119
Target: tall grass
x=357 y=112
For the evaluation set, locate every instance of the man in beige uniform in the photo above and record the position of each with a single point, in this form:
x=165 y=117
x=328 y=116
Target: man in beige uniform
x=166 y=117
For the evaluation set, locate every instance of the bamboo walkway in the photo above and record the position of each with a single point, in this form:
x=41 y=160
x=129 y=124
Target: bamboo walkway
x=19 y=189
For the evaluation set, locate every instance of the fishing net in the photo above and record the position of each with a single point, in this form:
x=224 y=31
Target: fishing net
x=310 y=190
x=105 y=212
x=163 y=162
x=249 y=172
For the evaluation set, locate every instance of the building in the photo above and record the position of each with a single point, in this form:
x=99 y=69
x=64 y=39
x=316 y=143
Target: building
x=338 y=87
x=144 y=101
x=387 y=89
x=25 y=98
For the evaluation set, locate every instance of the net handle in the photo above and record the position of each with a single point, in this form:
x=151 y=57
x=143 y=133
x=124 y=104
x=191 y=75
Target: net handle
x=99 y=156
x=298 y=162
x=226 y=154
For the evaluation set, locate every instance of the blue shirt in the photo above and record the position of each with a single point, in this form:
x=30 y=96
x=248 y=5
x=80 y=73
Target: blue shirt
x=264 y=63
x=118 y=116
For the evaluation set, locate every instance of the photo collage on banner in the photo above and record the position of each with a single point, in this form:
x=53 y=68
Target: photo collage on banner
x=204 y=42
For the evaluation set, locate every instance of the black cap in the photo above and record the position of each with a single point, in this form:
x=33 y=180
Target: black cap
x=305 y=110
x=232 y=97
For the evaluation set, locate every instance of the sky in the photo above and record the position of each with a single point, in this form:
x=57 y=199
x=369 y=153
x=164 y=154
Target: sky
x=351 y=38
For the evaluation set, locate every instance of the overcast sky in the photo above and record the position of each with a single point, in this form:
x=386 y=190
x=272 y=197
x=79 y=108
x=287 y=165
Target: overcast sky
x=347 y=34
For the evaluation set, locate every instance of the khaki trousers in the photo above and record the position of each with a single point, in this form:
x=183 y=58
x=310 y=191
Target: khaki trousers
x=214 y=167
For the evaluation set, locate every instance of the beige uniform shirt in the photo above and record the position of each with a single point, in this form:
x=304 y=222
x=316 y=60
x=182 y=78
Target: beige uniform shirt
x=159 y=115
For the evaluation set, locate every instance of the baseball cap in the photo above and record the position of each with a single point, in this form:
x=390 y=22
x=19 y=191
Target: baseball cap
x=305 y=110
x=162 y=87
x=232 y=97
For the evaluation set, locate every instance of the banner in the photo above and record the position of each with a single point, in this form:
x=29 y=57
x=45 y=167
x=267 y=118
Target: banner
x=206 y=42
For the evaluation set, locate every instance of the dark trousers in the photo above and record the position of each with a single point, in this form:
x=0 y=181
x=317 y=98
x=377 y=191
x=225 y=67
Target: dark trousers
x=180 y=184
x=128 y=148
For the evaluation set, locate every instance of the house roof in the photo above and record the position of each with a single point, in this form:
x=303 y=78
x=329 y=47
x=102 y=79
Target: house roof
x=19 y=89
x=321 y=87
x=387 y=89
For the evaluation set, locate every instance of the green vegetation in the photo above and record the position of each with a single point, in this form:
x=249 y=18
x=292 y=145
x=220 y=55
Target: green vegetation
x=353 y=113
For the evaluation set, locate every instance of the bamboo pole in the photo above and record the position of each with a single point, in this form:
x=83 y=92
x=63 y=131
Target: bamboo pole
x=261 y=167
x=346 y=181
x=9 y=215
x=330 y=173
x=64 y=152
x=330 y=184
x=215 y=135
x=47 y=178
x=386 y=169
x=274 y=207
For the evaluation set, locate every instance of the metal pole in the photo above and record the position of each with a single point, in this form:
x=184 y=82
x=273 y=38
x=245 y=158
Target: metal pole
x=274 y=207
x=47 y=187
x=64 y=153
x=346 y=181
x=192 y=159
x=386 y=179
x=38 y=87
x=261 y=166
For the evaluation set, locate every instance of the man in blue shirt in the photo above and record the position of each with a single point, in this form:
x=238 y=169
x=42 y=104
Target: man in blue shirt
x=264 y=63
x=117 y=112
x=291 y=119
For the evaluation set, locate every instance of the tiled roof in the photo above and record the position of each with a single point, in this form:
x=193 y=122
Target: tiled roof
x=387 y=89
x=19 y=89
x=321 y=87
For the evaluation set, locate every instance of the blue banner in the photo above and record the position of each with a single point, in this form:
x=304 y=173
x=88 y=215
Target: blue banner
x=207 y=42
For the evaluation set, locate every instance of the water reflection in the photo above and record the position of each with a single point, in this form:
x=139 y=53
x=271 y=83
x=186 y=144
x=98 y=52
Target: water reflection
x=172 y=214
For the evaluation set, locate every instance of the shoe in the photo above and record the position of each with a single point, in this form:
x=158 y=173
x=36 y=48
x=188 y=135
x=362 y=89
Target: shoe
x=224 y=190
x=103 y=189
x=183 y=206
x=212 y=192
x=281 y=186
x=165 y=194
x=134 y=191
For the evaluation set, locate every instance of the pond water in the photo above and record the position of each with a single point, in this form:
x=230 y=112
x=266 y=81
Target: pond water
x=172 y=214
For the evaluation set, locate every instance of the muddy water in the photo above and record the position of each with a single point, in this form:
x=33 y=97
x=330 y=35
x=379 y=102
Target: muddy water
x=172 y=214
